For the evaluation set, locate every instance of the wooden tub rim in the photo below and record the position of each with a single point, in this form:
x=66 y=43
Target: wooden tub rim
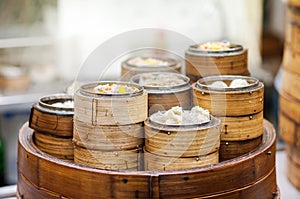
x=83 y=90
x=172 y=62
x=164 y=89
x=45 y=107
x=254 y=85
x=268 y=139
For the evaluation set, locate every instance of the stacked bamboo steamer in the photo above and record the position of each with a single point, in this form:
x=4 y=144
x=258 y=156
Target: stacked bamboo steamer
x=131 y=66
x=108 y=128
x=52 y=120
x=240 y=110
x=180 y=146
x=289 y=102
x=201 y=62
x=165 y=90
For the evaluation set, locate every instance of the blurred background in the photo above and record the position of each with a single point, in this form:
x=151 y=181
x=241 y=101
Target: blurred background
x=43 y=43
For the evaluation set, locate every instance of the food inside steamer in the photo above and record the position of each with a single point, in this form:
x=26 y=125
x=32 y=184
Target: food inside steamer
x=140 y=62
x=236 y=83
x=114 y=89
x=177 y=116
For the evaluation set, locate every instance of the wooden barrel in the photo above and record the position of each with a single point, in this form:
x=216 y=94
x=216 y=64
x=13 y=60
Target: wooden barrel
x=53 y=125
x=200 y=63
x=108 y=128
x=129 y=70
x=239 y=109
x=250 y=176
x=289 y=119
x=293 y=165
x=163 y=92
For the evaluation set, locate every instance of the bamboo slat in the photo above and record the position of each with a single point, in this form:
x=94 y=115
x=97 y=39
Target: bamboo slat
x=290 y=84
x=249 y=176
x=182 y=141
x=60 y=147
x=155 y=162
x=108 y=138
x=289 y=119
x=232 y=149
x=242 y=128
x=109 y=110
x=112 y=160
x=200 y=64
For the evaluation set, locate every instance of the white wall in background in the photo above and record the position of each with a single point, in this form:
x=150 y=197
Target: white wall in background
x=85 y=24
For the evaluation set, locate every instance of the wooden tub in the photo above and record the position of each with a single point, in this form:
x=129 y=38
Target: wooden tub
x=249 y=176
x=239 y=109
x=164 y=95
x=129 y=69
x=200 y=63
x=53 y=125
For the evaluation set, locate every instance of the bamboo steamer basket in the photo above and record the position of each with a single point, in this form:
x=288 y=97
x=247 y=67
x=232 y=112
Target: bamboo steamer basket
x=249 y=176
x=182 y=140
x=13 y=78
x=113 y=160
x=200 y=63
x=239 y=109
x=163 y=97
x=53 y=125
x=290 y=84
x=108 y=138
x=60 y=147
x=242 y=101
x=293 y=165
x=110 y=109
x=48 y=118
x=289 y=119
x=129 y=70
